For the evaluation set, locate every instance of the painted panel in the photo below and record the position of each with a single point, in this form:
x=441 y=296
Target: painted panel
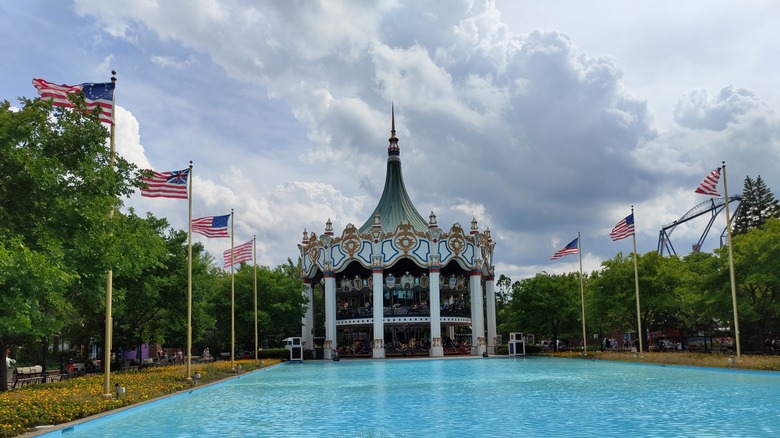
x=388 y=251
x=422 y=251
x=338 y=256
x=307 y=264
x=468 y=254
x=445 y=252
x=364 y=255
x=321 y=259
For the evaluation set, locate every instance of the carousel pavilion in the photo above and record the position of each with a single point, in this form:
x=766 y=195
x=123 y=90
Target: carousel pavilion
x=399 y=284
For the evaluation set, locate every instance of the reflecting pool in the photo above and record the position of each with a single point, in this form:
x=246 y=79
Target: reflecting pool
x=464 y=397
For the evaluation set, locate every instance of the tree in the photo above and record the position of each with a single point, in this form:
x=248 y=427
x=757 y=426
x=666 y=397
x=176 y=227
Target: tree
x=758 y=204
x=151 y=285
x=56 y=192
x=280 y=305
x=503 y=291
x=756 y=266
x=702 y=277
x=548 y=304
x=611 y=296
x=664 y=304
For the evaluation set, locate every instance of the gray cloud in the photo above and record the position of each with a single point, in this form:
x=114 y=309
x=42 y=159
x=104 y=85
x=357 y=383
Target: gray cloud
x=520 y=127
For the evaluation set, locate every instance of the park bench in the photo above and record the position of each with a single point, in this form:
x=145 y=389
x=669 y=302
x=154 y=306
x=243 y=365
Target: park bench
x=74 y=370
x=127 y=367
x=28 y=376
x=53 y=376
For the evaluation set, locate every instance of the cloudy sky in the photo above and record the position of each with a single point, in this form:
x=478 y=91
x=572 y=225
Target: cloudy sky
x=539 y=119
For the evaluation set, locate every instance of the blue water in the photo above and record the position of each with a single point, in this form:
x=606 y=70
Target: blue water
x=462 y=398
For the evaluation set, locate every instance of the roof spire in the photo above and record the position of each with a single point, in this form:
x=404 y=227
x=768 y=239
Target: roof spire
x=393 y=149
x=394 y=207
x=392 y=111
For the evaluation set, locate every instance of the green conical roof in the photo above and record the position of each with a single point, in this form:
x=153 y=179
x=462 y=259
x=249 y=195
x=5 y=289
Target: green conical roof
x=395 y=206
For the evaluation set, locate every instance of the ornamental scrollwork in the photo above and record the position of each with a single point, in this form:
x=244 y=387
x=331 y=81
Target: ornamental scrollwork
x=350 y=241
x=405 y=238
x=313 y=249
x=457 y=240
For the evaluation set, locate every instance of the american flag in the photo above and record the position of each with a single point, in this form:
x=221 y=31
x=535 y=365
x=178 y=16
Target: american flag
x=171 y=184
x=211 y=226
x=241 y=253
x=623 y=228
x=571 y=248
x=710 y=184
x=95 y=96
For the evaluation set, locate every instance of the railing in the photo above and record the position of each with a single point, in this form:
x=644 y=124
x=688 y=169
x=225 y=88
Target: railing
x=396 y=310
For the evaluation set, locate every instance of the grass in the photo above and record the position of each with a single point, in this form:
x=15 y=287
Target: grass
x=23 y=409
x=747 y=362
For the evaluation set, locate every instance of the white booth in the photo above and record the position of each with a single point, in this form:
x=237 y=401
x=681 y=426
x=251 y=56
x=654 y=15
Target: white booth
x=516 y=344
x=295 y=345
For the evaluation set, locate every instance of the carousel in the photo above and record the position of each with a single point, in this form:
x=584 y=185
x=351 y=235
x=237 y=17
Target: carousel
x=400 y=285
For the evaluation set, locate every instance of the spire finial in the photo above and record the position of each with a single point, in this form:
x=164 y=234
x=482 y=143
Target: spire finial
x=392 y=111
x=392 y=149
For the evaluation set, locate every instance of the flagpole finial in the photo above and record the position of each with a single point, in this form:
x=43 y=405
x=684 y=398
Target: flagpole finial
x=113 y=75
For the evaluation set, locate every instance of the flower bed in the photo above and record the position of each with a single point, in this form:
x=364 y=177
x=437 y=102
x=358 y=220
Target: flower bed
x=21 y=410
x=714 y=360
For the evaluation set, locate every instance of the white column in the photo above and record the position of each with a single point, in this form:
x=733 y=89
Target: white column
x=477 y=314
x=379 y=316
x=490 y=303
x=307 y=323
x=437 y=348
x=330 y=315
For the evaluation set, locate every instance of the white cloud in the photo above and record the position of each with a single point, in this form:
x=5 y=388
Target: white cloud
x=697 y=110
x=127 y=139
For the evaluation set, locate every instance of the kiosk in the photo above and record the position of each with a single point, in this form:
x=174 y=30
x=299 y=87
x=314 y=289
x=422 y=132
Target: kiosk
x=516 y=344
x=295 y=345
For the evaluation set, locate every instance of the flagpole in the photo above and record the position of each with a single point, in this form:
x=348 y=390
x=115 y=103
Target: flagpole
x=636 y=284
x=189 y=282
x=232 y=298
x=731 y=264
x=254 y=256
x=110 y=273
x=582 y=294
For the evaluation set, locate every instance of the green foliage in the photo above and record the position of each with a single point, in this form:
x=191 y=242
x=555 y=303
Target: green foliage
x=757 y=270
x=275 y=353
x=547 y=305
x=691 y=295
x=150 y=286
x=56 y=194
x=279 y=306
x=61 y=230
x=611 y=295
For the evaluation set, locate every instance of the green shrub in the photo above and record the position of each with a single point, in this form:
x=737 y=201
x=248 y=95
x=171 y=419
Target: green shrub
x=275 y=353
x=533 y=349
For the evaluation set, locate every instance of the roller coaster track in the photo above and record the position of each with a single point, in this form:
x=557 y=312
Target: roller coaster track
x=712 y=206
